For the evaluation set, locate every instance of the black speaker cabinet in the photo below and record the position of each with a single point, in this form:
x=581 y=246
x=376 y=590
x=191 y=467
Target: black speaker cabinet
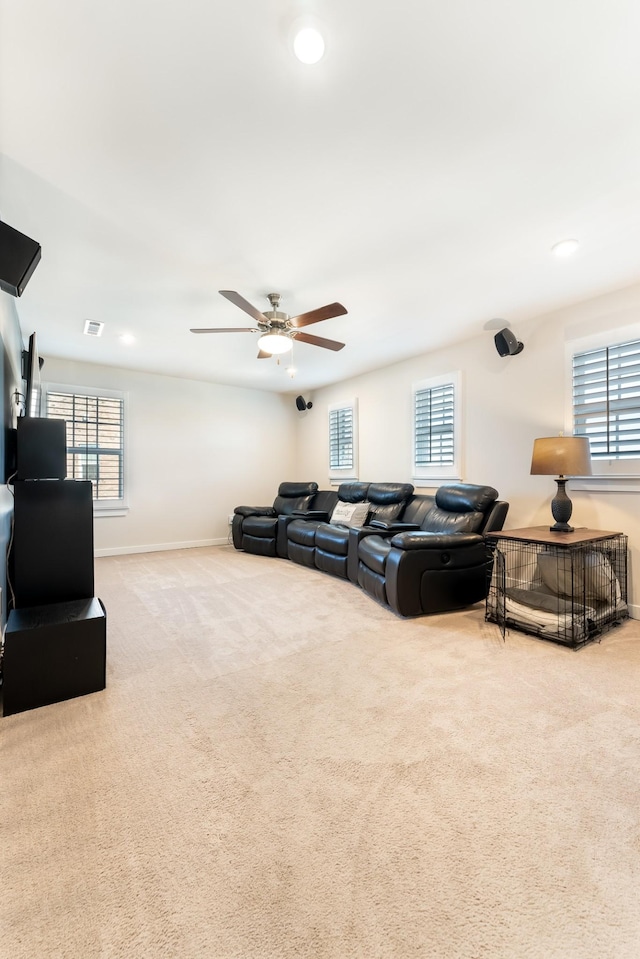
x=52 y=552
x=41 y=448
x=52 y=653
x=19 y=256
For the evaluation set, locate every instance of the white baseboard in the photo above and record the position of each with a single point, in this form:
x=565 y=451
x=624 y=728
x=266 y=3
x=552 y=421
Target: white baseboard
x=160 y=547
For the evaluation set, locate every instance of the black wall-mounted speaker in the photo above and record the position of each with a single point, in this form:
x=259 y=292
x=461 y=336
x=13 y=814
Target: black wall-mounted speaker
x=507 y=344
x=302 y=404
x=19 y=256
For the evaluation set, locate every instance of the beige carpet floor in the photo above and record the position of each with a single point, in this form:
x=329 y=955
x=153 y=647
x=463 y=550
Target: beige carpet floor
x=281 y=768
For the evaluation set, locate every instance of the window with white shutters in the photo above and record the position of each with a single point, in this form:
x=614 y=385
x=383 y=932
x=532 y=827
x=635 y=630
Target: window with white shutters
x=435 y=432
x=436 y=428
x=606 y=400
x=343 y=449
x=95 y=440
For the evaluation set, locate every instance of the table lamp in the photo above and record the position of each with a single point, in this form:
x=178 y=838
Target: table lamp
x=561 y=456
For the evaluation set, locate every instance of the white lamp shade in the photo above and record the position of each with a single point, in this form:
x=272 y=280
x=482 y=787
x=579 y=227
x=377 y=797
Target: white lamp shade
x=275 y=343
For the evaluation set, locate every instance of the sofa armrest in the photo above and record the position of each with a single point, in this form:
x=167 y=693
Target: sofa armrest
x=255 y=511
x=424 y=540
x=316 y=514
x=398 y=527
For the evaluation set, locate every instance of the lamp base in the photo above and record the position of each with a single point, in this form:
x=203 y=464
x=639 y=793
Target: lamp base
x=561 y=528
x=561 y=509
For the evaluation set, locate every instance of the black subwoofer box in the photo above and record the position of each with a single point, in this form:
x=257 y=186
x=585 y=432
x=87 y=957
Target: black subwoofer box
x=52 y=653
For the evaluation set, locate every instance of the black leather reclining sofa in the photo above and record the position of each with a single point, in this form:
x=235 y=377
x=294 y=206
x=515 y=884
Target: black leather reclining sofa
x=416 y=553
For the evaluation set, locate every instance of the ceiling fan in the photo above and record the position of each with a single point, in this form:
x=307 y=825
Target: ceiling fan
x=279 y=330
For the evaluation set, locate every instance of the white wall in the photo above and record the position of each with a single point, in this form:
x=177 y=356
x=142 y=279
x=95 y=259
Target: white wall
x=194 y=451
x=508 y=402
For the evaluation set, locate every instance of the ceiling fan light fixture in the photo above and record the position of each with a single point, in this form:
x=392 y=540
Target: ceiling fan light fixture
x=279 y=329
x=275 y=343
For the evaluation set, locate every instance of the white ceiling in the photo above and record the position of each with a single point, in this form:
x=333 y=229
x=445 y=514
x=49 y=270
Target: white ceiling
x=419 y=174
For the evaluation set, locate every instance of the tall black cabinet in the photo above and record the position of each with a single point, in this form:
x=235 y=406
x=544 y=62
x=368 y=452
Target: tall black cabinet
x=55 y=640
x=52 y=541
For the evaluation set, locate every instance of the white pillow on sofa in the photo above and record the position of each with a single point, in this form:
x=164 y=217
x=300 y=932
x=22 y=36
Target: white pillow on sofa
x=350 y=514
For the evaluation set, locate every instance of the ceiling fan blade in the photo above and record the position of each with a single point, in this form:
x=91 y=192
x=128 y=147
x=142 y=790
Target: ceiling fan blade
x=263 y=356
x=318 y=341
x=314 y=316
x=240 y=301
x=227 y=329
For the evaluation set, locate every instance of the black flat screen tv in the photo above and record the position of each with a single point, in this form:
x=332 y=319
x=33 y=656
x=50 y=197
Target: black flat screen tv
x=32 y=364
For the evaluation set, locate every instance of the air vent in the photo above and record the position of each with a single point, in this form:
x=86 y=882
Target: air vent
x=93 y=327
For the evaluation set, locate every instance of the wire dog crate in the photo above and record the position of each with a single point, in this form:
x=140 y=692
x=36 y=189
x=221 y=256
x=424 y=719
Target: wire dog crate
x=565 y=587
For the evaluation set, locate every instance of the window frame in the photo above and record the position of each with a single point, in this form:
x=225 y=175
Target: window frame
x=101 y=507
x=439 y=472
x=608 y=475
x=340 y=474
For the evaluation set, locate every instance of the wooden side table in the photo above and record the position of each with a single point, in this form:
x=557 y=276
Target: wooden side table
x=566 y=587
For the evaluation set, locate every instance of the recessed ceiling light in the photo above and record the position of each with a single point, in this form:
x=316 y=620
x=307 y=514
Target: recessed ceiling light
x=565 y=247
x=308 y=45
x=127 y=338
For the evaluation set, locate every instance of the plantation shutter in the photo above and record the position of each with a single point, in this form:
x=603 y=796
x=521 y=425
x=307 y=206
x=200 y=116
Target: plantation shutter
x=95 y=439
x=434 y=426
x=606 y=400
x=341 y=438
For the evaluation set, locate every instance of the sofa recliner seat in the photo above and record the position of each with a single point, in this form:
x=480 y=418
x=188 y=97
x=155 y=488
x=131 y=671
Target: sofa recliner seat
x=255 y=528
x=321 y=508
x=301 y=532
x=439 y=566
